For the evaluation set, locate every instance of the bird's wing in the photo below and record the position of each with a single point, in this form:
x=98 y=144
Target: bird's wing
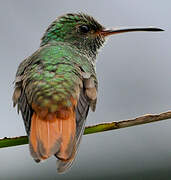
x=19 y=97
x=87 y=98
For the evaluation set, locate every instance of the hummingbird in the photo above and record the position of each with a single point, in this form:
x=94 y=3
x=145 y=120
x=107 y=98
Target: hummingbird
x=57 y=85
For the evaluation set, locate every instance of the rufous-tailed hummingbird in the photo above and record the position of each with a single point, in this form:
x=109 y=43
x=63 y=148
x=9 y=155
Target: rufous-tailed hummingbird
x=57 y=84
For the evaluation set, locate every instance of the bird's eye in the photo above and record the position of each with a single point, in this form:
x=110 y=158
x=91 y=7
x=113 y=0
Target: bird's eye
x=84 y=29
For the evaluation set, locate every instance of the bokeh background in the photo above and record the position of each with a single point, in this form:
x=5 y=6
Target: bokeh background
x=134 y=79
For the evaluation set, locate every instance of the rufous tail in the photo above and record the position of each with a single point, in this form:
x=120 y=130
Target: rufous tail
x=53 y=134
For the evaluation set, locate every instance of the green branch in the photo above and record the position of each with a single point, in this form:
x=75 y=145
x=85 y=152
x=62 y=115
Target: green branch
x=149 y=118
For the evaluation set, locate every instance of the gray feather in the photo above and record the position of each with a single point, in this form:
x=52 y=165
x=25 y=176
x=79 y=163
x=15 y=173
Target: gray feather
x=81 y=115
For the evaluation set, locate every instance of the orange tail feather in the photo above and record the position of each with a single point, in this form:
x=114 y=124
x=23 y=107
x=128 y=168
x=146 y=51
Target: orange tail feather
x=53 y=134
x=68 y=129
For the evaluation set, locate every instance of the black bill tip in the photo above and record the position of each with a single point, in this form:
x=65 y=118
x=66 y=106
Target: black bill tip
x=153 y=29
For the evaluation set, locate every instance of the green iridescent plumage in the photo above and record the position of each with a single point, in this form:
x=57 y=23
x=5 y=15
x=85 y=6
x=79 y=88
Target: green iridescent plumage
x=66 y=29
x=54 y=74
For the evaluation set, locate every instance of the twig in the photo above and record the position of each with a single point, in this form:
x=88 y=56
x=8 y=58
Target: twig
x=148 y=118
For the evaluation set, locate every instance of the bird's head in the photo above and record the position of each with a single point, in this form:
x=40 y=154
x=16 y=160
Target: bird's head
x=83 y=32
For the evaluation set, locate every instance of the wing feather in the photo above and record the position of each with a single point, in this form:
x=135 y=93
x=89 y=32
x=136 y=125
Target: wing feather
x=81 y=110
